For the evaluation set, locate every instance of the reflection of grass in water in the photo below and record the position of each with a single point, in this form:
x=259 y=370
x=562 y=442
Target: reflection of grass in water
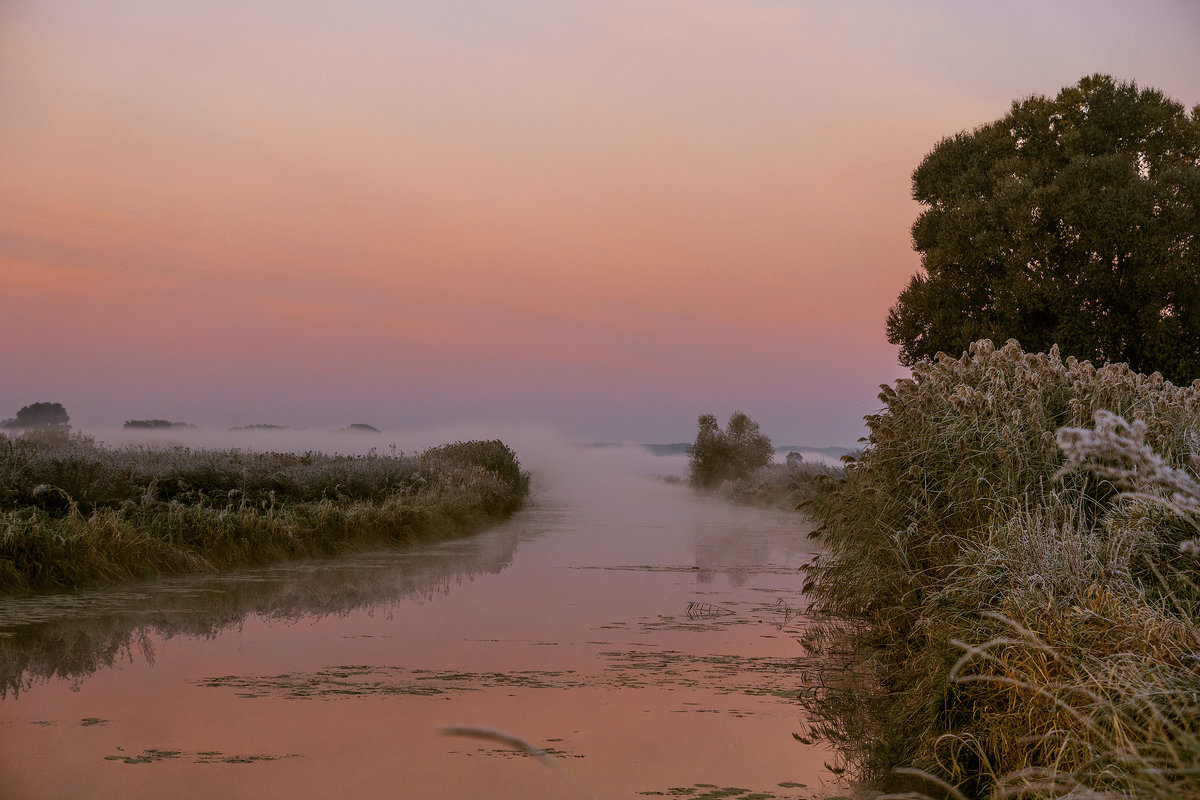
x=154 y=755
x=73 y=636
x=88 y=722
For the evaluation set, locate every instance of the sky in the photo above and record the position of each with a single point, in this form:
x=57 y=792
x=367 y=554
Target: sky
x=609 y=217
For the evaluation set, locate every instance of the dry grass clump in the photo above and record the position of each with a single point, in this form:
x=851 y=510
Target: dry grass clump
x=1013 y=627
x=74 y=512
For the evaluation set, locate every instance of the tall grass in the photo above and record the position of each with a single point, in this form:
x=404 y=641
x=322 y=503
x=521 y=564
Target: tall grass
x=1007 y=627
x=74 y=512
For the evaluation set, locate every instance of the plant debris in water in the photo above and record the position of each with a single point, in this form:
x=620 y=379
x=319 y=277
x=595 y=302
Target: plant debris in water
x=723 y=675
x=710 y=791
x=153 y=755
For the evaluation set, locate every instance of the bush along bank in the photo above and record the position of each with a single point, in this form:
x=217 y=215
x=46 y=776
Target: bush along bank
x=1007 y=621
x=784 y=486
x=74 y=512
x=736 y=464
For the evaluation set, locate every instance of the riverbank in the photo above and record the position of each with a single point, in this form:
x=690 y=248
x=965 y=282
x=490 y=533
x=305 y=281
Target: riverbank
x=1002 y=626
x=78 y=513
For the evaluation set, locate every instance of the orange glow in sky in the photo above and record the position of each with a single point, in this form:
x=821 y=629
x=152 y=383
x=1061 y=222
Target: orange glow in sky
x=610 y=216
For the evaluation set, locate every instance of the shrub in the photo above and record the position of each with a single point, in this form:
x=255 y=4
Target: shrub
x=723 y=455
x=155 y=424
x=785 y=486
x=992 y=612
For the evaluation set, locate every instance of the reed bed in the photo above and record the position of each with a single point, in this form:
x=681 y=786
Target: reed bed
x=74 y=512
x=1007 y=621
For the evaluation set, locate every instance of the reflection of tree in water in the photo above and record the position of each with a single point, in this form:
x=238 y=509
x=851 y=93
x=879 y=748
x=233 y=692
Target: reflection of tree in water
x=741 y=549
x=76 y=635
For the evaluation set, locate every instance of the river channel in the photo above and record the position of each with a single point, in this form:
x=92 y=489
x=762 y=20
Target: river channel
x=644 y=637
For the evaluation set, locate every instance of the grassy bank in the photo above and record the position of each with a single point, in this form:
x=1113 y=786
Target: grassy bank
x=74 y=512
x=1002 y=625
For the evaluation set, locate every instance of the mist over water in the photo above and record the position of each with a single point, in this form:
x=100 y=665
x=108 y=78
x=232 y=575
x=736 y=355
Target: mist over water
x=538 y=446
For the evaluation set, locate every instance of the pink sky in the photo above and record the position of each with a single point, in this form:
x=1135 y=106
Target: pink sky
x=611 y=216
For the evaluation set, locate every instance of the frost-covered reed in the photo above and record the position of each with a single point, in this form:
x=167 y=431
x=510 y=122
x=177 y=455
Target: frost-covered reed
x=1010 y=622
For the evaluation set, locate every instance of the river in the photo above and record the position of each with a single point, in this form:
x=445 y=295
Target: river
x=644 y=637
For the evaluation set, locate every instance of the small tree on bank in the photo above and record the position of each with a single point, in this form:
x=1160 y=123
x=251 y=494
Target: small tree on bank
x=39 y=415
x=1072 y=220
x=721 y=455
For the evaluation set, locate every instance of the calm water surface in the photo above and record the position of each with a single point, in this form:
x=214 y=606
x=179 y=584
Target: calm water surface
x=643 y=636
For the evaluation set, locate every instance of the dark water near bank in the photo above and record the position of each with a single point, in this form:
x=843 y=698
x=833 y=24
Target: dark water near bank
x=644 y=636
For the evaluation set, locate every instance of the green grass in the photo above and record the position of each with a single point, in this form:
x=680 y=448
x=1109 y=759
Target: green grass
x=999 y=626
x=74 y=512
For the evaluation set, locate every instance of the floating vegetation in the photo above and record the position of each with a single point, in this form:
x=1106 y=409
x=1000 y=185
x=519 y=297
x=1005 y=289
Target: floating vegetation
x=742 y=569
x=502 y=752
x=154 y=755
x=706 y=610
x=723 y=675
x=710 y=791
x=700 y=616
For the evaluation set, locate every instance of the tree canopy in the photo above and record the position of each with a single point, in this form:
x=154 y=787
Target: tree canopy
x=1072 y=221
x=721 y=455
x=39 y=415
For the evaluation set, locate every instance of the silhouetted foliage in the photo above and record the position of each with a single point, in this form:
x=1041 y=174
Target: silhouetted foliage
x=155 y=424
x=362 y=427
x=39 y=415
x=722 y=455
x=1072 y=221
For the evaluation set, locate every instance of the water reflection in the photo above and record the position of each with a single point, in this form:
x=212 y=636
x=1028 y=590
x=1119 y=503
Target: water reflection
x=74 y=635
x=742 y=550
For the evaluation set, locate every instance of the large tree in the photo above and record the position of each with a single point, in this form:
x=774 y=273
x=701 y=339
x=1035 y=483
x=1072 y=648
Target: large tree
x=39 y=415
x=1072 y=221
